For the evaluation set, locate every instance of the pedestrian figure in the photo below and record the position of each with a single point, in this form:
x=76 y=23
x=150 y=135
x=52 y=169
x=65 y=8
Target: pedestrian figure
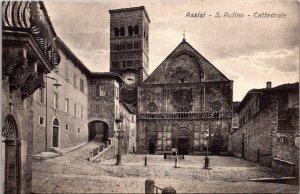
x=206 y=162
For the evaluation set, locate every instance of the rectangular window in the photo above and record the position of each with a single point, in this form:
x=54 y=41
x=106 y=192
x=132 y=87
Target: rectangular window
x=67 y=127
x=41 y=95
x=102 y=90
x=42 y=121
x=67 y=105
x=55 y=100
x=75 y=80
x=81 y=112
x=78 y=130
x=67 y=72
x=81 y=85
x=75 y=110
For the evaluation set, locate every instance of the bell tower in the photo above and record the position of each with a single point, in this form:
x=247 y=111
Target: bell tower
x=129 y=49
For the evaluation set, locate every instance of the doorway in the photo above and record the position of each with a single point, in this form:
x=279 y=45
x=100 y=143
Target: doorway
x=10 y=156
x=183 y=145
x=183 y=139
x=151 y=148
x=55 y=133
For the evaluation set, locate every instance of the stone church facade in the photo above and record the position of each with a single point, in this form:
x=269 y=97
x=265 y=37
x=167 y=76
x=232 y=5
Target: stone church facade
x=186 y=103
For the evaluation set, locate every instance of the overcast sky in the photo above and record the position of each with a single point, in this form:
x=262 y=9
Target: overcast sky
x=250 y=51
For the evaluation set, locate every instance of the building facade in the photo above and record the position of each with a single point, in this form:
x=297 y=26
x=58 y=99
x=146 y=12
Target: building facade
x=129 y=49
x=106 y=108
x=129 y=126
x=186 y=103
x=60 y=109
x=103 y=105
x=268 y=127
x=28 y=53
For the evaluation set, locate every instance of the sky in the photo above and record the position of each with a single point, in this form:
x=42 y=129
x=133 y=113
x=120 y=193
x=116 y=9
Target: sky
x=250 y=51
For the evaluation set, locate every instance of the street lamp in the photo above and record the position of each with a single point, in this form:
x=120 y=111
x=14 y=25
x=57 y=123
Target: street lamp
x=46 y=126
x=119 y=134
x=206 y=159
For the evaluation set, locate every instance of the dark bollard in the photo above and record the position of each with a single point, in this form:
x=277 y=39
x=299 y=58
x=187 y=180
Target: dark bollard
x=165 y=155
x=149 y=186
x=206 y=162
x=146 y=160
x=168 y=190
x=176 y=162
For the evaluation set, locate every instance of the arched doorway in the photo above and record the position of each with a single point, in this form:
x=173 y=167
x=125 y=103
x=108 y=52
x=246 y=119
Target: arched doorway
x=55 y=133
x=98 y=130
x=10 y=156
x=151 y=145
x=183 y=142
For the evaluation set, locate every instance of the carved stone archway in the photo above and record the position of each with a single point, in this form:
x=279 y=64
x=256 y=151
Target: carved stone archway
x=11 y=156
x=183 y=141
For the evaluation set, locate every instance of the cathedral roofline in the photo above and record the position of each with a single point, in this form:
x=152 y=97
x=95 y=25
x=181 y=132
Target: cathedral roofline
x=131 y=9
x=183 y=42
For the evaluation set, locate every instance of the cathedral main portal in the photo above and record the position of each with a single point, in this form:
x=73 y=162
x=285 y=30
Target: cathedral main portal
x=183 y=141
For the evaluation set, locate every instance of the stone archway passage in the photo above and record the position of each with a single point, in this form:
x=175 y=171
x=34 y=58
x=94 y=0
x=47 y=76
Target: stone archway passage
x=11 y=156
x=98 y=131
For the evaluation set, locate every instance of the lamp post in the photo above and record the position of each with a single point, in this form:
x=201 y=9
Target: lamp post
x=46 y=126
x=206 y=159
x=119 y=134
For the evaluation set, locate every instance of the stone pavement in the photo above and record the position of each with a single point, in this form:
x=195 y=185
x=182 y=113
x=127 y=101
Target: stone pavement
x=72 y=173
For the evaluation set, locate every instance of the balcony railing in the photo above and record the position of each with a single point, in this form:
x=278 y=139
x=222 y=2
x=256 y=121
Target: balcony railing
x=32 y=17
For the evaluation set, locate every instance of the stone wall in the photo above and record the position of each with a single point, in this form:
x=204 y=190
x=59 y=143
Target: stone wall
x=258 y=135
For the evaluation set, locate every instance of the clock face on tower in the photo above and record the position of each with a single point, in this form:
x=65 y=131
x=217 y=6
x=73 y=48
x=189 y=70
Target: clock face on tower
x=130 y=79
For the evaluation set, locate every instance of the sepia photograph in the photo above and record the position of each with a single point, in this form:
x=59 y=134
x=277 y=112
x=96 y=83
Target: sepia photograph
x=157 y=96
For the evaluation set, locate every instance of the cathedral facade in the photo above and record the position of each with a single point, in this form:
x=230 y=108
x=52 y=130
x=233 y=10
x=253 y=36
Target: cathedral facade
x=186 y=103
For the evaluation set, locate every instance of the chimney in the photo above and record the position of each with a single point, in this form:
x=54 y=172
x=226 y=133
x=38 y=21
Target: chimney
x=269 y=84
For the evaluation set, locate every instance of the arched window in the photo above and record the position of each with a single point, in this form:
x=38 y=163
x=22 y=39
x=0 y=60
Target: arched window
x=130 y=30
x=136 y=30
x=116 y=29
x=55 y=122
x=122 y=31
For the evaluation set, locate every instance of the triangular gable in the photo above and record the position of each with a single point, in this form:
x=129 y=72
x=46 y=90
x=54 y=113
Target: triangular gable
x=184 y=64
